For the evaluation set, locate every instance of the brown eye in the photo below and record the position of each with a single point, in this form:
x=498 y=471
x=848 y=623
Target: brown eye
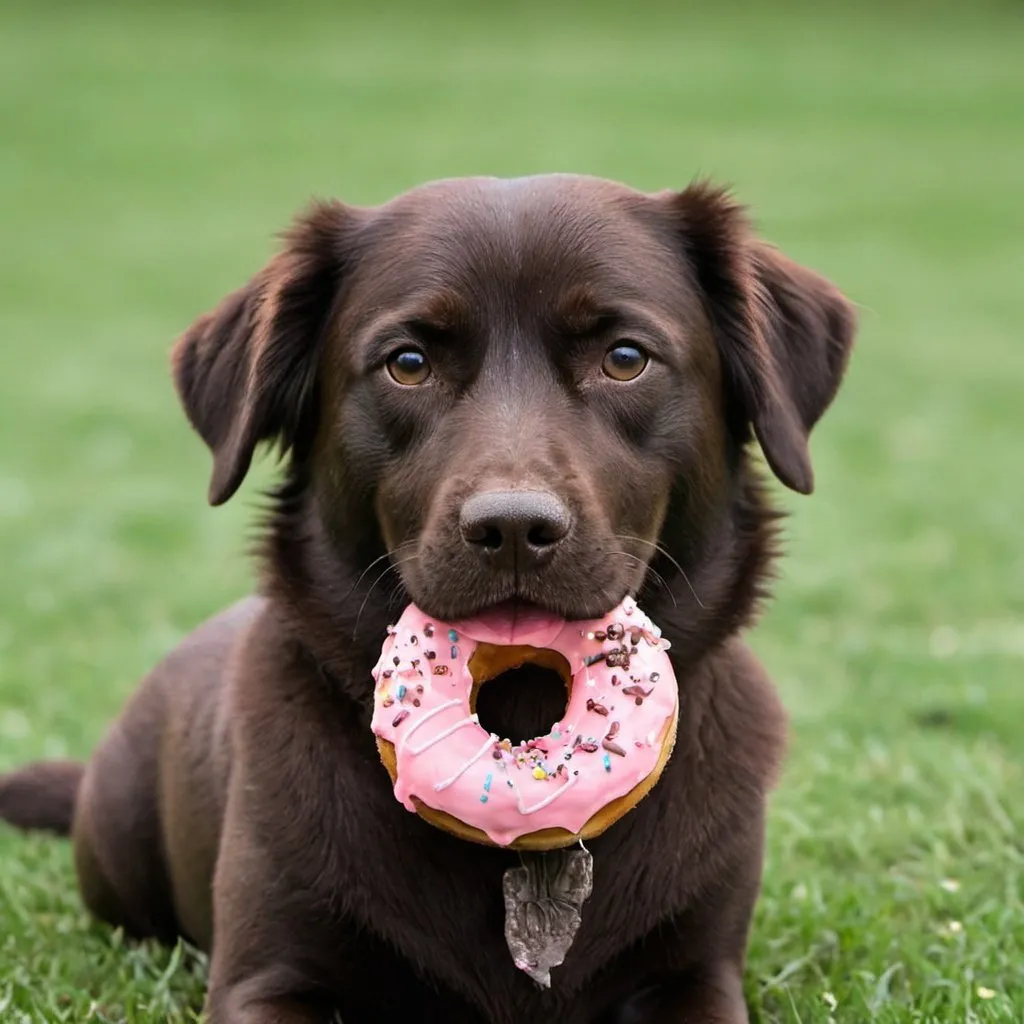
x=409 y=367
x=624 y=362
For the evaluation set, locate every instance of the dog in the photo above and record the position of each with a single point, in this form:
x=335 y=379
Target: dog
x=625 y=356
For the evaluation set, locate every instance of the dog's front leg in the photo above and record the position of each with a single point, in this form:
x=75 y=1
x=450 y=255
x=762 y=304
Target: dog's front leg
x=707 y=995
x=243 y=1004
x=274 y=957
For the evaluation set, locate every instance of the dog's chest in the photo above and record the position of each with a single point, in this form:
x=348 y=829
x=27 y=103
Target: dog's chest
x=439 y=902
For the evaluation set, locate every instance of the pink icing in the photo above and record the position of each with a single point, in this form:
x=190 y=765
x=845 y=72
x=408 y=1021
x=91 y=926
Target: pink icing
x=622 y=697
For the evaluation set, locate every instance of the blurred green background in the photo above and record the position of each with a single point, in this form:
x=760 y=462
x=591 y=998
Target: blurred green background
x=147 y=158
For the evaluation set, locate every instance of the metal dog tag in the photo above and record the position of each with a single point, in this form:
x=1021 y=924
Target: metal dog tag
x=543 y=899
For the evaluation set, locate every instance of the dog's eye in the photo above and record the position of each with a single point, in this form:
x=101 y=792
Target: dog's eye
x=409 y=367
x=624 y=361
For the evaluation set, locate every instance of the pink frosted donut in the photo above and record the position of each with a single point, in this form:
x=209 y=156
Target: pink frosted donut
x=590 y=768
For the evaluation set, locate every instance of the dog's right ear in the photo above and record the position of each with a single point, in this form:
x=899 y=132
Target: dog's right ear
x=247 y=372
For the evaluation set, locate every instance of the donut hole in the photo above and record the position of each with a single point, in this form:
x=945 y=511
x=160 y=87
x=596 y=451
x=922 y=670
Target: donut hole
x=518 y=693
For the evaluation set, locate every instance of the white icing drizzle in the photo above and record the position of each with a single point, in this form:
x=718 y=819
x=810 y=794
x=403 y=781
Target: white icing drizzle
x=549 y=799
x=426 y=718
x=444 y=734
x=488 y=744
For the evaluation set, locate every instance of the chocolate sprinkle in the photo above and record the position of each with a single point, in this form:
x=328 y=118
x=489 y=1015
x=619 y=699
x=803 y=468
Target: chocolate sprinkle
x=440 y=670
x=599 y=709
x=399 y=718
x=413 y=639
x=593 y=659
x=397 y=660
x=613 y=747
x=431 y=655
x=588 y=747
x=616 y=631
x=428 y=630
x=613 y=731
x=617 y=658
x=637 y=691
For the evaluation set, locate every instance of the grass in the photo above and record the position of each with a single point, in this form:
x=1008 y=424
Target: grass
x=147 y=160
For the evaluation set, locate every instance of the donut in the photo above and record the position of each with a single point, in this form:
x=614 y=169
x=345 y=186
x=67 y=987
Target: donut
x=592 y=767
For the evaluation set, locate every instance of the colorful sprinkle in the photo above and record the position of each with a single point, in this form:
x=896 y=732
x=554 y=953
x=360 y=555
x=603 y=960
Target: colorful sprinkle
x=487 y=782
x=388 y=701
x=539 y=773
x=402 y=691
x=455 y=652
x=607 y=763
x=483 y=798
x=453 y=636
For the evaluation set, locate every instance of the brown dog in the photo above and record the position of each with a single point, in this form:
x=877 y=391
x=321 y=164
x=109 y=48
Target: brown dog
x=613 y=350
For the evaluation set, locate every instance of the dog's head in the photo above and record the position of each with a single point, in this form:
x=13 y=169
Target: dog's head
x=536 y=391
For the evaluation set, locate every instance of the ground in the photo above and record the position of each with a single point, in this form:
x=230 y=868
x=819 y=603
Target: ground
x=147 y=162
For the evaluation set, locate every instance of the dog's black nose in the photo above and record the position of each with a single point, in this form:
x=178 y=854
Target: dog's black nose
x=514 y=529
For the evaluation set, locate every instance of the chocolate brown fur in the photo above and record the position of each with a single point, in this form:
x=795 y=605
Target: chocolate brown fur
x=239 y=801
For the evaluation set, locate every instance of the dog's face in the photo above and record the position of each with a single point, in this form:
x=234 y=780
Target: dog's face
x=513 y=385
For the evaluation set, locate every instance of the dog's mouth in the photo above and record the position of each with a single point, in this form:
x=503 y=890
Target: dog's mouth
x=513 y=623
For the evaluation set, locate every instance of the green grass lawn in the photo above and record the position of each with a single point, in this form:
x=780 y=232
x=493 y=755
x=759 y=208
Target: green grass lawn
x=146 y=163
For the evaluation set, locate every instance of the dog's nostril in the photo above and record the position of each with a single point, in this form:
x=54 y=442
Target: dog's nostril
x=545 y=532
x=490 y=537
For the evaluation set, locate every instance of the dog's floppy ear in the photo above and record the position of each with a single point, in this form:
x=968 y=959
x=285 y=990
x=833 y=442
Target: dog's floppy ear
x=784 y=332
x=247 y=371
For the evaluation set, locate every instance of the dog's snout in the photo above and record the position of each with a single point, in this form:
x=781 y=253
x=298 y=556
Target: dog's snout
x=514 y=529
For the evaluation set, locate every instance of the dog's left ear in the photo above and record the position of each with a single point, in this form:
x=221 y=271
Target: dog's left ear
x=784 y=332
x=247 y=371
